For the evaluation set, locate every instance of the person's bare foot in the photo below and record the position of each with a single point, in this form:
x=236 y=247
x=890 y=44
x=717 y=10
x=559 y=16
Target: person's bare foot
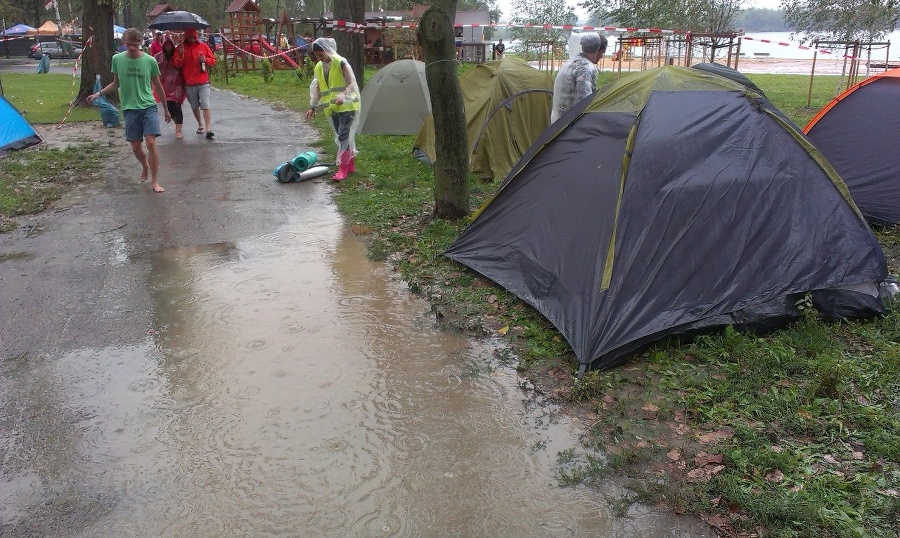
x=145 y=175
x=157 y=187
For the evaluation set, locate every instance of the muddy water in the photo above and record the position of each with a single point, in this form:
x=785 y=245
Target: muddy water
x=289 y=386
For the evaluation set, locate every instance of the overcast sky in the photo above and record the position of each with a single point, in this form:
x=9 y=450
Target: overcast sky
x=505 y=6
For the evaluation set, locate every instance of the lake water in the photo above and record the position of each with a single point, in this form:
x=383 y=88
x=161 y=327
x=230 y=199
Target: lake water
x=780 y=45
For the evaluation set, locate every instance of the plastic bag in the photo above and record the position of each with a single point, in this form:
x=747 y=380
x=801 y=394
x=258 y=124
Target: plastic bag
x=44 y=64
x=108 y=113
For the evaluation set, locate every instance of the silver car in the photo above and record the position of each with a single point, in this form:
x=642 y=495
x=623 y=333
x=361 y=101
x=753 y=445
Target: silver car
x=55 y=49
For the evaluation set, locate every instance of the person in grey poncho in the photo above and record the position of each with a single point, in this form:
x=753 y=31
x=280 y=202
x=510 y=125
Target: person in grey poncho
x=577 y=78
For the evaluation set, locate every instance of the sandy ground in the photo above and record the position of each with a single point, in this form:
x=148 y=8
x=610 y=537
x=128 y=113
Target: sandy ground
x=61 y=136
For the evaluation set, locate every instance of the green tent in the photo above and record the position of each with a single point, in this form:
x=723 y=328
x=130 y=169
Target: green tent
x=507 y=107
x=670 y=202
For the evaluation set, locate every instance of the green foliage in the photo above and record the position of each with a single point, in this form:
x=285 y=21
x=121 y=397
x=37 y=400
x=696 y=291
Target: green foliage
x=846 y=20
x=267 y=72
x=697 y=15
x=587 y=388
x=541 y=12
x=762 y=20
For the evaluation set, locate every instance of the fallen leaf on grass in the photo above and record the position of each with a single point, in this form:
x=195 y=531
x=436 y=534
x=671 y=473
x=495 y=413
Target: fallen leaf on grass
x=775 y=476
x=503 y=330
x=682 y=429
x=716 y=436
x=649 y=411
x=674 y=454
x=702 y=459
x=717 y=521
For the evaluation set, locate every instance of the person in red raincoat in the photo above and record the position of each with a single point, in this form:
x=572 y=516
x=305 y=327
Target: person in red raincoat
x=194 y=57
x=173 y=82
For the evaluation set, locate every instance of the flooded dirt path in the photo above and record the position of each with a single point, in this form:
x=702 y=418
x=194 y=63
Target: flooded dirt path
x=223 y=360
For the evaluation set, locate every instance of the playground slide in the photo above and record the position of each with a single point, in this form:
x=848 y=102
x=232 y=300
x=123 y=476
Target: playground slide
x=268 y=46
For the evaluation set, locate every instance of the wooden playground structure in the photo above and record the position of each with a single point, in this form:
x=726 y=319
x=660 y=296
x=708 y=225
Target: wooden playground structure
x=249 y=39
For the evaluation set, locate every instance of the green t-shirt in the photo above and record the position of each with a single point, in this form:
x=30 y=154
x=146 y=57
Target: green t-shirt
x=135 y=74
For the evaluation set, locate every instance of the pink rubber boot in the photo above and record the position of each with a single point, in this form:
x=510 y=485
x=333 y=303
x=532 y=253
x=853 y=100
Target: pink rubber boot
x=351 y=169
x=343 y=166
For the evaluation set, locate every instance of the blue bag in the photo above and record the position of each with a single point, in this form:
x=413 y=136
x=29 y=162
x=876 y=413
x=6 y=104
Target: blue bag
x=108 y=113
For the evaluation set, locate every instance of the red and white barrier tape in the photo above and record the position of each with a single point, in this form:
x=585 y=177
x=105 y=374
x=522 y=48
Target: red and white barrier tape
x=87 y=45
x=262 y=57
x=13 y=37
x=801 y=47
x=347 y=26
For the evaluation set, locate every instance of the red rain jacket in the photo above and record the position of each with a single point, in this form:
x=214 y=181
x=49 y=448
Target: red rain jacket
x=187 y=57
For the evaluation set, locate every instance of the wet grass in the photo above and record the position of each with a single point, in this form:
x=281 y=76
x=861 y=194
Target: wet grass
x=31 y=180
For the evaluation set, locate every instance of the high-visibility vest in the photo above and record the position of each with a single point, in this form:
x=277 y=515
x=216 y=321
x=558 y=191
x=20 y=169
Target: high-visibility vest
x=335 y=84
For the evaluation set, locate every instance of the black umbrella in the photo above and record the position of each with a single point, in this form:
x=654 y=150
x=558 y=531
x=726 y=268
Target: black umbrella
x=178 y=20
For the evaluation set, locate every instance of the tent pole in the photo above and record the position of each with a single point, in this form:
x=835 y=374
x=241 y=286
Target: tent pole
x=812 y=74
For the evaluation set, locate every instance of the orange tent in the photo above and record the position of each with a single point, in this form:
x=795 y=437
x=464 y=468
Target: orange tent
x=857 y=133
x=48 y=28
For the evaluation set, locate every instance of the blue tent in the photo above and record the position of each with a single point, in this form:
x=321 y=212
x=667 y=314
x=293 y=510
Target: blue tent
x=118 y=30
x=15 y=131
x=19 y=29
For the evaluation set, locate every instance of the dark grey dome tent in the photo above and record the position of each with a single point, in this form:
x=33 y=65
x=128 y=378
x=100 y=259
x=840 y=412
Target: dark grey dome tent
x=670 y=202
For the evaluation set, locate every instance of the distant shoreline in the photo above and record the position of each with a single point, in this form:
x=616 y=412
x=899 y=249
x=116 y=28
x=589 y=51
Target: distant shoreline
x=775 y=66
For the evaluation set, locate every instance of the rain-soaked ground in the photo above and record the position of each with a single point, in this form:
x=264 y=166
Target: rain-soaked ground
x=279 y=383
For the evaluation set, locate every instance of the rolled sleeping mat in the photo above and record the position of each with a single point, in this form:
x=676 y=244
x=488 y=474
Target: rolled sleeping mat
x=286 y=173
x=310 y=173
x=305 y=160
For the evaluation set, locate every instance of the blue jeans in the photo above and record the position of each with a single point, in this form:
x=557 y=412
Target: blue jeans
x=141 y=123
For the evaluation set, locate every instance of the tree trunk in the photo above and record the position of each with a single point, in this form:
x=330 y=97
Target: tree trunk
x=98 y=23
x=451 y=167
x=351 y=45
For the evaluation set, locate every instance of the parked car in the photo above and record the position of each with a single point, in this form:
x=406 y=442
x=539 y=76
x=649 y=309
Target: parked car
x=55 y=49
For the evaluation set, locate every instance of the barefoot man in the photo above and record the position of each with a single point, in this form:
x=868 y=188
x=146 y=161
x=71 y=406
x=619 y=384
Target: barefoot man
x=133 y=73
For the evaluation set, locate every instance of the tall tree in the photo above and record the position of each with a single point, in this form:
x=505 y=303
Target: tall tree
x=352 y=44
x=694 y=15
x=642 y=13
x=541 y=12
x=451 y=167
x=844 y=20
x=97 y=26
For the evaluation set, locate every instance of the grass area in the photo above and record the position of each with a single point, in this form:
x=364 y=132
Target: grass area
x=30 y=181
x=45 y=98
x=793 y=434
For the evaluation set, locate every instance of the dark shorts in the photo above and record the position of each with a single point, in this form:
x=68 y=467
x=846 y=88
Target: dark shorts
x=140 y=124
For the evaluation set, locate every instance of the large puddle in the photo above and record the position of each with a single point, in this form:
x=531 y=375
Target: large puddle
x=290 y=387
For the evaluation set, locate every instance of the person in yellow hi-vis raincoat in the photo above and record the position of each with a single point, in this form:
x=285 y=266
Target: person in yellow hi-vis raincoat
x=335 y=90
